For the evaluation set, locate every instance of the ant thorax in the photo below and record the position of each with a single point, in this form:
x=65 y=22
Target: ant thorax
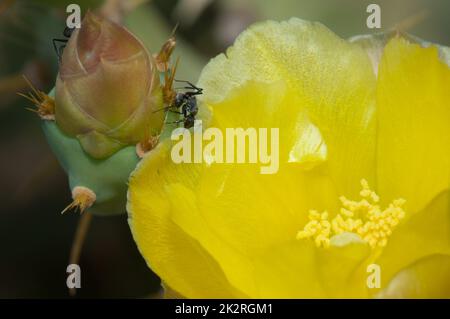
x=190 y=106
x=179 y=100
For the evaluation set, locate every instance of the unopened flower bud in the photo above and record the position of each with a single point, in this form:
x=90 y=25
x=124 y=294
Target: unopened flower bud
x=108 y=88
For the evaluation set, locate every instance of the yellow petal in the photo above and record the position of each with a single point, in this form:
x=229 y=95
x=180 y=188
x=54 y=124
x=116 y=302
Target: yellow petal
x=343 y=266
x=299 y=269
x=243 y=229
x=239 y=212
x=186 y=215
x=413 y=109
x=426 y=233
x=171 y=253
x=427 y=278
x=332 y=81
x=288 y=271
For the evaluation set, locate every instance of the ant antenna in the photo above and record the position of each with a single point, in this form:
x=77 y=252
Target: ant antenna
x=191 y=86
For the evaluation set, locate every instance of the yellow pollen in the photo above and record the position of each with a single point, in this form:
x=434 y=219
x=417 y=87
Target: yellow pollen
x=364 y=218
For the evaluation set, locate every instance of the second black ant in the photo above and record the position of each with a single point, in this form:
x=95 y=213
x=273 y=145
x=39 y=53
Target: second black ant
x=62 y=42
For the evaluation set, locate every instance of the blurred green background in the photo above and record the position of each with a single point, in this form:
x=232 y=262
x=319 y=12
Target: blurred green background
x=35 y=239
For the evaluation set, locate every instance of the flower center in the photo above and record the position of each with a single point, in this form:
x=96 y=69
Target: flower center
x=364 y=218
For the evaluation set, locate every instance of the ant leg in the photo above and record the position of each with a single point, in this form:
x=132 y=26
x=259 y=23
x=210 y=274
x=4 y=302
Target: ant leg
x=61 y=49
x=176 y=112
x=55 y=41
x=54 y=46
x=58 y=49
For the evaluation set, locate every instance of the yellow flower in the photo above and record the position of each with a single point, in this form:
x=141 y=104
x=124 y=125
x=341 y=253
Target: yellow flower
x=363 y=176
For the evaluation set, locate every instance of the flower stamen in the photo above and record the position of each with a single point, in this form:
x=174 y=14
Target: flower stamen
x=364 y=218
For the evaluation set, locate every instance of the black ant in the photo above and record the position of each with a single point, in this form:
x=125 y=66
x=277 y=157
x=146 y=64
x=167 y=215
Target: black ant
x=186 y=104
x=58 y=50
